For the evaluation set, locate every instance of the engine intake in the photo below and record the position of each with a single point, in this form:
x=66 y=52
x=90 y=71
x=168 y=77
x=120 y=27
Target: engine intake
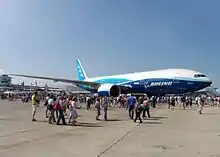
x=109 y=90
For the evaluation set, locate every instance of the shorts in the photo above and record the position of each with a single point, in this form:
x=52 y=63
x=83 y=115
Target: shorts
x=34 y=108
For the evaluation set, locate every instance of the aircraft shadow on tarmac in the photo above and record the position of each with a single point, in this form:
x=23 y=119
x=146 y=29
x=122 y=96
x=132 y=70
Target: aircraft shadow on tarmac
x=147 y=122
x=42 y=121
x=211 y=114
x=77 y=124
x=89 y=125
x=114 y=120
x=156 y=118
x=7 y=119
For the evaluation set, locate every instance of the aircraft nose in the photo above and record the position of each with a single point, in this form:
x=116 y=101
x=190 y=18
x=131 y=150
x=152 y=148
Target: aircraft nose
x=209 y=83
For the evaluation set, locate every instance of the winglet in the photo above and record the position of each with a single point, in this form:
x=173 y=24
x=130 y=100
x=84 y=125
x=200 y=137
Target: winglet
x=81 y=74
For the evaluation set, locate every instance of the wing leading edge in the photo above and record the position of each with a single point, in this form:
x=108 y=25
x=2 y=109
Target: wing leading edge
x=76 y=82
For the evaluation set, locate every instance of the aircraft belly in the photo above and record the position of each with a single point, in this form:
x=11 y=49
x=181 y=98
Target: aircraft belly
x=167 y=86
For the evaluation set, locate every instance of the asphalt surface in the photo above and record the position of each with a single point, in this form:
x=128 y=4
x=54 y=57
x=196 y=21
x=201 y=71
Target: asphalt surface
x=169 y=133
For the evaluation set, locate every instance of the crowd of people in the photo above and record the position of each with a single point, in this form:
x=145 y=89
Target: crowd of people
x=138 y=106
x=59 y=107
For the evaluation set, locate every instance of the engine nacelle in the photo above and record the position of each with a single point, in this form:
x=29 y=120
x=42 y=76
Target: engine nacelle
x=109 y=90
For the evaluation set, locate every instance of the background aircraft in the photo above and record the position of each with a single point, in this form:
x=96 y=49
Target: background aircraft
x=158 y=82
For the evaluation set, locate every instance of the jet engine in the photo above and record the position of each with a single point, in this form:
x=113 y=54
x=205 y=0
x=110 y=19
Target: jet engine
x=109 y=90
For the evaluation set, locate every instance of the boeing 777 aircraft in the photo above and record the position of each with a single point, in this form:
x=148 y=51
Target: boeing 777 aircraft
x=158 y=82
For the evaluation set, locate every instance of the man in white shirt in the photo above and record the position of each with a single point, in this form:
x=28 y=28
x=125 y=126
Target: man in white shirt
x=88 y=102
x=45 y=104
x=50 y=108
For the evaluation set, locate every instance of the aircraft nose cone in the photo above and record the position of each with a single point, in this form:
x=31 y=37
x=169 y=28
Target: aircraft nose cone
x=207 y=83
x=210 y=83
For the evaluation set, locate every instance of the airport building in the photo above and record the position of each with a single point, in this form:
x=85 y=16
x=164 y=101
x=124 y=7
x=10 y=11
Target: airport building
x=5 y=80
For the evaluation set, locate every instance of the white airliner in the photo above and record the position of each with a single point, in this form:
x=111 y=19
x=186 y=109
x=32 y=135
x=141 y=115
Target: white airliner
x=158 y=82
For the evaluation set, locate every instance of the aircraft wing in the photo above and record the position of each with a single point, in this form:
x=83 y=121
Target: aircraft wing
x=76 y=82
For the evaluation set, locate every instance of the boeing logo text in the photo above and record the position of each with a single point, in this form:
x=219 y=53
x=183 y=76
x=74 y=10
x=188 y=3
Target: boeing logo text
x=161 y=83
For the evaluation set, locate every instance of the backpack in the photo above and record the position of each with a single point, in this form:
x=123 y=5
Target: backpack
x=57 y=105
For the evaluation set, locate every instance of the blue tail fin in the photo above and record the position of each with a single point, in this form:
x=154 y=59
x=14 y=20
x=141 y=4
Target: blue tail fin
x=81 y=74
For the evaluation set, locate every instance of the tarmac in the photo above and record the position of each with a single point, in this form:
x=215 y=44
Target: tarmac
x=169 y=133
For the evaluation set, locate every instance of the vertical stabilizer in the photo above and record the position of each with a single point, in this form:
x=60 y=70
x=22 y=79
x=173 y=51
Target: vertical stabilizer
x=81 y=74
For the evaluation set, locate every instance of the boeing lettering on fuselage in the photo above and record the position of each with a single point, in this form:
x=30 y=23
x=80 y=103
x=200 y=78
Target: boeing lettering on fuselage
x=161 y=83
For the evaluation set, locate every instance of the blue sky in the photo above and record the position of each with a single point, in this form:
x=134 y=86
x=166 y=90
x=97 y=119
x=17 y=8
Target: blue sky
x=44 y=37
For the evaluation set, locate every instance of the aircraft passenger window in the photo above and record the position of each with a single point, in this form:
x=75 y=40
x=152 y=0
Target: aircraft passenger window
x=199 y=75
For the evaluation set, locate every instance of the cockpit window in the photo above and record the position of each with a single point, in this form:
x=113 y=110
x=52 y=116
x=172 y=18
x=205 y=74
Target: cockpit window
x=199 y=75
